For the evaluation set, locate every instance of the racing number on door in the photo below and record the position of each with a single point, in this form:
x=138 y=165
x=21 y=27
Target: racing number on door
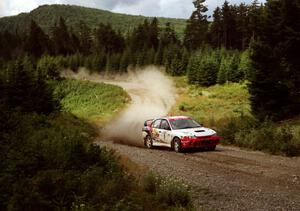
x=165 y=129
x=155 y=130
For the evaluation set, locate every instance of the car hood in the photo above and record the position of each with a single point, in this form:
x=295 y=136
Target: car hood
x=197 y=132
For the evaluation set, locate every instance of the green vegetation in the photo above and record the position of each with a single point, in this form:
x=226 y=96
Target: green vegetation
x=208 y=67
x=278 y=95
x=169 y=191
x=47 y=161
x=47 y=15
x=265 y=136
x=90 y=101
x=212 y=106
x=227 y=109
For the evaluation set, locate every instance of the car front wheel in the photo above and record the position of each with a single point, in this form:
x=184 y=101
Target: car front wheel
x=177 y=145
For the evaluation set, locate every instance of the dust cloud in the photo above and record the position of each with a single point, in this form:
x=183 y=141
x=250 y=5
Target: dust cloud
x=152 y=94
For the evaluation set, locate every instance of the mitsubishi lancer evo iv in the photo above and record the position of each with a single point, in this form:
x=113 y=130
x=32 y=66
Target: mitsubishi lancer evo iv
x=179 y=133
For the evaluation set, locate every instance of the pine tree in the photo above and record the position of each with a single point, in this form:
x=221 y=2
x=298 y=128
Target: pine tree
x=224 y=68
x=37 y=42
x=49 y=68
x=245 y=66
x=108 y=40
x=27 y=89
x=197 y=26
x=192 y=70
x=152 y=35
x=274 y=87
x=216 y=30
x=125 y=61
x=242 y=37
x=255 y=19
x=85 y=38
x=61 y=38
x=229 y=25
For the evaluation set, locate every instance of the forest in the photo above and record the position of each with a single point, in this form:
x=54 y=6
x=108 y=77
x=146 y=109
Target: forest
x=255 y=43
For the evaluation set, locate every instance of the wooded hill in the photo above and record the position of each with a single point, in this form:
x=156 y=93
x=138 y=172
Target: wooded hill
x=47 y=15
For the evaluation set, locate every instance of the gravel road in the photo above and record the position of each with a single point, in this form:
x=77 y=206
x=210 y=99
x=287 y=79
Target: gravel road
x=226 y=179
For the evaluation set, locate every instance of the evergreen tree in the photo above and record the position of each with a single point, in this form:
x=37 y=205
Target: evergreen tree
x=48 y=67
x=168 y=36
x=242 y=37
x=232 y=72
x=216 y=30
x=275 y=80
x=158 y=60
x=224 y=68
x=229 y=25
x=37 y=42
x=85 y=38
x=152 y=35
x=192 y=70
x=27 y=89
x=74 y=43
x=125 y=61
x=197 y=26
x=108 y=40
x=255 y=19
x=204 y=67
x=245 y=66
x=61 y=38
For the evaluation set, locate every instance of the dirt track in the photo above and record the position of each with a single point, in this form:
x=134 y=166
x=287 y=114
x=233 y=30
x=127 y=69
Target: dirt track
x=227 y=179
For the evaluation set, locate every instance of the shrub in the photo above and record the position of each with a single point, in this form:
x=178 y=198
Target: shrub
x=49 y=67
x=265 y=136
x=169 y=191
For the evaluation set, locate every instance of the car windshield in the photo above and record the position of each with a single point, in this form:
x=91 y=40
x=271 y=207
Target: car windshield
x=178 y=124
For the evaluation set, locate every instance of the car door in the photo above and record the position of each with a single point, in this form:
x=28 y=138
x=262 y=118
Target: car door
x=166 y=133
x=156 y=132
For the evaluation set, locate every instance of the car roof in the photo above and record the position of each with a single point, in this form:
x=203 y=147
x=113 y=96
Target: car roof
x=170 y=118
x=177 y=117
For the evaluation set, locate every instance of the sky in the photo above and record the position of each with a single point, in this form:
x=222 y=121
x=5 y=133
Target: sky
x=159 y=8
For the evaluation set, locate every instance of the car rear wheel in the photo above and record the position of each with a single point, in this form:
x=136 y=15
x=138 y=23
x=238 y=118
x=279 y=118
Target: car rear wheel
x=177 y=145
x=148 y=142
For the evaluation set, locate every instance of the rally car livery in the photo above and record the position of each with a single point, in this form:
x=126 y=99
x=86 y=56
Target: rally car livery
x=178 y=133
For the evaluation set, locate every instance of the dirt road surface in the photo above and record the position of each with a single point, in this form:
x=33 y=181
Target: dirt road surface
x=227 y=179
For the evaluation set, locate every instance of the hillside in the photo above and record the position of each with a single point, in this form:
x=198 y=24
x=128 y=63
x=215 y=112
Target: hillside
x=47 y=15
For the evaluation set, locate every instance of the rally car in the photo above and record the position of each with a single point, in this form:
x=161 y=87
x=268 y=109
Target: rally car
x=178 y=133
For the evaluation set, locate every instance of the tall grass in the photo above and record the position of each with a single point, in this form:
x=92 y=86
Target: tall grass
x=90 y=101
x=212 y=106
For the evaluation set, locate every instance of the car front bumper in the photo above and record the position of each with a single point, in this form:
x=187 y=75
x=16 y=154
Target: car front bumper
x=200 y=142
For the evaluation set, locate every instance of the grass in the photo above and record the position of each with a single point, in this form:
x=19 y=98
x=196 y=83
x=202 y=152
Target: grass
x=212 y=106
x=95 y=102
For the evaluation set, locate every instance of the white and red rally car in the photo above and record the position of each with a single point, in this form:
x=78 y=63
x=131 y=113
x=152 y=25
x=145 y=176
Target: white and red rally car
x=178 y=133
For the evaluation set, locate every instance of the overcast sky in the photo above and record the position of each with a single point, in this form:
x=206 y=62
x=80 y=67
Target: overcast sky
x=161 y=8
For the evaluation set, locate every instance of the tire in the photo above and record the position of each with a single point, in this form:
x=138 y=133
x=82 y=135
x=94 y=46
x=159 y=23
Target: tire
x=212 y=148
x=177 y=145
x=148 y=142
